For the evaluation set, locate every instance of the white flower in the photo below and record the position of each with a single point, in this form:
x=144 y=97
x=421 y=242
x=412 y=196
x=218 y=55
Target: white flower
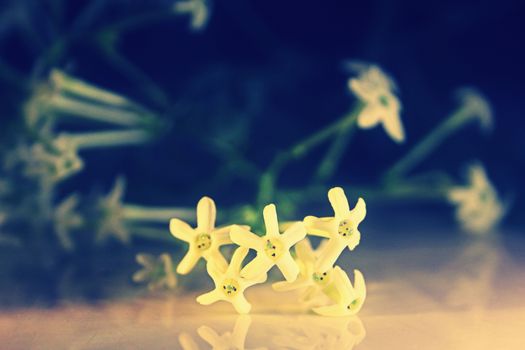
x=199 y=10
x=376 y=91
x=479 y=209
x=158 y=271
x=112 y=220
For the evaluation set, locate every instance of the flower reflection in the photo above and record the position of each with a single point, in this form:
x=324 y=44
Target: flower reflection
x=306 y=333
x=279 y=332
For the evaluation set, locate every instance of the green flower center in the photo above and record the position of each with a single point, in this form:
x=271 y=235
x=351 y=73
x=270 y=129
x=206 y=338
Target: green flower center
x=383 y=100
x=230 y=287
x=203 y=241
x=321 y=278
x=353 y=305
x=273 y=248
x=346 y=228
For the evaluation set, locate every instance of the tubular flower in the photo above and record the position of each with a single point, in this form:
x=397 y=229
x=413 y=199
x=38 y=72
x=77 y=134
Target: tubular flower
x=157 y=271
x=341 y=229
x=311 y=281
x=272 y=249
x=381 y=106
x=229 y=285
x=351 y=298
x=204 y=241
x=111 y=221
x=66 y=219
x=478 y=207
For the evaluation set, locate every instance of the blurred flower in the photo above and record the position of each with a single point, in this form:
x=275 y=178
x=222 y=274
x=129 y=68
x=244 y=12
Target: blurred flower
x=204 y=241
x=53 y=161
x=475 y=105
x=111 y=221
x=157 y=271
x=341 y=229
x=229 y=285
x=351 y=298
x=376 y=90
x=272 y=249
x=479 y=209
x=199 y=10
x=229 y=340
x=66 y=220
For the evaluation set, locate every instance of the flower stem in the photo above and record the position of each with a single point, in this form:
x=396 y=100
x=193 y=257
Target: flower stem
x=108 y=138
x=65 y=105
x=298 y=151
x=73 y=86
x=155 y=214
x=335 y=152
x=428 y=144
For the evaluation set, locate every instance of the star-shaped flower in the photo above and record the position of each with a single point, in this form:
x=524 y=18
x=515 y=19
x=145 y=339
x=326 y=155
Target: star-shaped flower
x=272 y=249
x=229 y=285
x=341 y=230
x=351 y=298
x=157 y=271
x=478 y=207
x=111 y=222
x=311 y=281
x=204 y=241
x=376 y=90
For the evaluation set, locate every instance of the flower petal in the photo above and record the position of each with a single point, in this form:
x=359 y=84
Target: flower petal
x=330 y=254
x=294 y=234
x=181 y=230
x=285 y=286
x=393 y=126
x=245 y=238
x=369 y=117
x=206 y=214
x=255 y=268
x=335 y=310
x=359 y=285
x=339 y=203
x=358 y=214
x=186 y=342
x=323 y=227
x=210 y=297
x=215 y=258
x=288 y=267
x=241 y=305
x=344 y=285
x=236 y=260
x=221 y=236
x=240 y=331
x=188 y=262
x=270 y=220
x=304 y=251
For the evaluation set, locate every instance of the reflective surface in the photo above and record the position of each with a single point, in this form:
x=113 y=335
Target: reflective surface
x=451 y=294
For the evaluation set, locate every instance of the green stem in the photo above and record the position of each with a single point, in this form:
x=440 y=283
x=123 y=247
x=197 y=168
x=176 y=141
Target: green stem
x=299 y=150
x=334 y=154
x=429 y=143
x=109 y=138
x=156 y=214
x=152 y=233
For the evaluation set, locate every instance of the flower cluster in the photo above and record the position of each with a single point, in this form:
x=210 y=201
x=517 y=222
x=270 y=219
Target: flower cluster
x=312 y=271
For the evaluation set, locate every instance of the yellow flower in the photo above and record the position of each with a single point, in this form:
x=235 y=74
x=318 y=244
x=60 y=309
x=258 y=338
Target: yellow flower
x=229 y=285
x=478 y=207
x=272 y=249
x=376 y=90
x=311 y=281
x=351 y=298
x=204 y=241
x=158 y=272
x=341 y=229
x=66 y=219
